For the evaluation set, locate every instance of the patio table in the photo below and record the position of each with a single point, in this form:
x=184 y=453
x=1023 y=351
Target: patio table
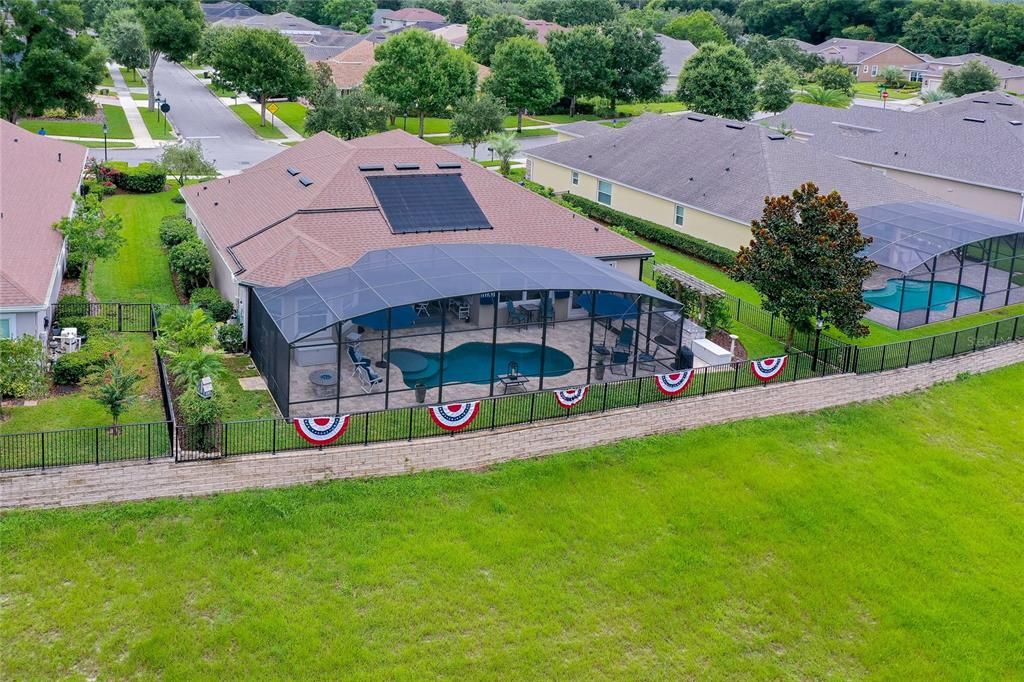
x=516 y=383
x=323 y=379
x=530 y=308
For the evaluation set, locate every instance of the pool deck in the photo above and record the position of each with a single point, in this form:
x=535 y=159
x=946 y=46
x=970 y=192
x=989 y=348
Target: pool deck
x=569 y=336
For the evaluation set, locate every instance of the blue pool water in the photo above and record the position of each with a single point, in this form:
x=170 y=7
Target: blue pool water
x=915 y=294
x=471 y=363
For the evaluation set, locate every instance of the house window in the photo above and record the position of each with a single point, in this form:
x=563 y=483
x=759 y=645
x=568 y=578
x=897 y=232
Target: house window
x=679 y=215
x=7 y=330
x=874 y=69
x=915 y=77
x=575 y=178
x=604 y=192
x=865 y=68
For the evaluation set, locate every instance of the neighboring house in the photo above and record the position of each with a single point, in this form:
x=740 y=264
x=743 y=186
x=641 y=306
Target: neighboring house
x=316 y=42
x=573 y=131
x=41 y=177
x=215 y=11
x=865 y=58
x=969 y=151
x=701 y=175
x=542 y=28
x=311 y=209
x=674 y=54
x=410 y=16
x=930 y=73
x=349 y=68
x=453 y=34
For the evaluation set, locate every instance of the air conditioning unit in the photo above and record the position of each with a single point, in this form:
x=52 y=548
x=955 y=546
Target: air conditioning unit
x=70 y=341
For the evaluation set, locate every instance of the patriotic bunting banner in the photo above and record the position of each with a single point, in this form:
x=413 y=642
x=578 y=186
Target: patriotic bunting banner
x=768 y=368
x=321 y=430
x=455 y=416
x=570 y=397
x=673 y=383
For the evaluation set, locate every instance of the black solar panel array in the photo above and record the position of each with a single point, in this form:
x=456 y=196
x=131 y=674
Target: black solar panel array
x=427 y=203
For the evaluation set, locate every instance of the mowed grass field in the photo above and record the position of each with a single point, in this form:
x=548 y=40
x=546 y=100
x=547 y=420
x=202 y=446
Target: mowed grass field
x=880 y=540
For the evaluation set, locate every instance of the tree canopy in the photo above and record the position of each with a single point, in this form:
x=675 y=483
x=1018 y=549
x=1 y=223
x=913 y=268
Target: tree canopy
x=48 y=60
x=579 y=12
x=636 y=64
x=355 y=114
x=125 y=39
x=805 y=261
x=775 y=91
x=523 y=76
x=263 y=64
x=698 y=27
x=835 y=76
x=974 y=76
x=486 y=33
x=174 y=29
x=583 y=57
x=351 y=15
x=477 y=117
x=421 y=74
x=91 y=233
x=720 y=81
x=186 y=159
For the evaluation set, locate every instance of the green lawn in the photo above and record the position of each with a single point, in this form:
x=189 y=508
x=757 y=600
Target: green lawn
x=108 y=80
x=79 y=410
x=221 y=91
x=878 y=540
x=293 y=115
x=131 y=77
x=140 y=96
x=869 y=90
x=118 y=128
x=98 y=144
x=655 y=107
x=241 y=404
x=561 y=119
x=157 y=128
x=251 y=117
x=139 y=273
x=432 y=126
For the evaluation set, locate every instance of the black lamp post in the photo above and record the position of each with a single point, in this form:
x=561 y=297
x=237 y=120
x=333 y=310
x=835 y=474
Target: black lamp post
x=105 y=130
x=157 y=102
x=168 y=105
x=817 y=340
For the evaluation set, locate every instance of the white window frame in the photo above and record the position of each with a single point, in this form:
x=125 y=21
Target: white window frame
x=575 y=178
x=600 y=184
x=12 y=325
x=680 y=215
x=866 y=68
x=874 y=69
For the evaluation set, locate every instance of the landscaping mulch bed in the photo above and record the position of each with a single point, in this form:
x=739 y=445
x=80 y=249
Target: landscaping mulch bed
x=721 y=338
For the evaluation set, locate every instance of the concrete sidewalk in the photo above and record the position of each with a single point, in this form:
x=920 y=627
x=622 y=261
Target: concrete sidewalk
x=143 y=140
x=285 y=129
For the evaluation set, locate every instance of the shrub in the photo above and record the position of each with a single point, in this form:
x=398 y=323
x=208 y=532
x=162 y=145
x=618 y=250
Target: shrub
x=230 y=338
x=210 y=300
x=72 y=368
x=174 y=229
x=74 y=265
x=21 y=367
x=190 y=261
x=200 y=417
x=146 y=178
x=692 y=246
x=71 y=305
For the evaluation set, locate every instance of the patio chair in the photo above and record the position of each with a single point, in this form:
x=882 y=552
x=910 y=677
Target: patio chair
x=547 y=310
x=619 y=360
x=368 y=378
x=516 y=316
x=625 y=342
x=357 y=359
x=646 y=361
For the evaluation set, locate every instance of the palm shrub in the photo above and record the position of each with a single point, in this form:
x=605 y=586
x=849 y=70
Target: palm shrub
x=936 y=96
x=189 y=366
x=891 y=76
x=114 y=387
x=184 y=329
x=815 y=94
x=505 y=146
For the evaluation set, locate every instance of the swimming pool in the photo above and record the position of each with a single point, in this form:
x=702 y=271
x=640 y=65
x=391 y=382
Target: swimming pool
x=915 y=294
x=471 y=363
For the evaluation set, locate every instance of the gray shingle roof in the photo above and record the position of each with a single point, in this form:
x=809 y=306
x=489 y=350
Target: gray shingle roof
x=717 y=165
x=582 y=128
x=674 y=53
x=854 y=51
x=935 y=140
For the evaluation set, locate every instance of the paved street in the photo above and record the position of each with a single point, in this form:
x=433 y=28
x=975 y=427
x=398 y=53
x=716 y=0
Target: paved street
x=198 y=115
x=483 y=155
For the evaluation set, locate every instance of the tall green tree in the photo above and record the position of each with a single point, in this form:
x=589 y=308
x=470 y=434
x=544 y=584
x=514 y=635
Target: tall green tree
x=174 y=29
x=125 y=39
x=638 y=73
x=805 y=261
x=762 y=50
x=775 y=91
x=697 y=27
x=184 y=160
x=775 y=18
x=732 y=25
x=543 y=9
x=858 y=32
x=974 y=76
x=486 y=33
x=115 y=387
x=96 y=12
x=998 y=31
x=91 y=233
x=263 y=64
x=937 y=35
x=421 y=74
x=580 y=12
x=477 y=117
x=355 y=114
x=583 y=57
x=720 y=81
x=351 y=15
x=523 y=77
x=48 y=61
x=835 y=76
x=457 y=13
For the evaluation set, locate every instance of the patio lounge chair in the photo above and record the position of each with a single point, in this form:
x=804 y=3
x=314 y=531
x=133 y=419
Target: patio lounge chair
x=619 y=360
x=516 y=316
x=357 y=359
x=625 y=342
x=368 y=378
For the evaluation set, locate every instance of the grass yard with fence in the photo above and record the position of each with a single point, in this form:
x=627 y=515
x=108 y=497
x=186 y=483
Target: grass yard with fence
x=837 y=544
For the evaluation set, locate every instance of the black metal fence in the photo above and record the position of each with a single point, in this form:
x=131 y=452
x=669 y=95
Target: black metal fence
x=122 y=317
x=91 y=445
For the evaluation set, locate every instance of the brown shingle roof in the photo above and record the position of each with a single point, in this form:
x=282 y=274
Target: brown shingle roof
x=274 y=230
x=349 y=68
x=414 y=14
x=36 y=191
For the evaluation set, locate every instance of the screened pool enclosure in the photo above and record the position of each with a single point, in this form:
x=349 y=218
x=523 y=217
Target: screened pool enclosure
x=449 y=323
x=937 y=262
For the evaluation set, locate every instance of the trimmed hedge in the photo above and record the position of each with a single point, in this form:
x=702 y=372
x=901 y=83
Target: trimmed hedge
x=210 y=300
x=174 y=229
x=146 y=178
x=692 y=246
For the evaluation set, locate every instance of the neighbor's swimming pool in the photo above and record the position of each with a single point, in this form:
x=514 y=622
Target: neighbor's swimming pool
x=471 y=363
x=914 y=294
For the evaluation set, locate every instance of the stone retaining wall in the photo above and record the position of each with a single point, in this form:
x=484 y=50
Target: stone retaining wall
x=122 y=481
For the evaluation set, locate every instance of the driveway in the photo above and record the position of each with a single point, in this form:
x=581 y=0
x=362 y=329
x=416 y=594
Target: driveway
x=198 y=115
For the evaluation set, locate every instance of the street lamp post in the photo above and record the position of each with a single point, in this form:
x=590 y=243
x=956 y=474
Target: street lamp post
x=168 y=105
x=105 y=130
x=817 y=340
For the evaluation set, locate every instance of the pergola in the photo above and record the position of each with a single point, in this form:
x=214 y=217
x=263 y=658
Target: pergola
x=443 y=320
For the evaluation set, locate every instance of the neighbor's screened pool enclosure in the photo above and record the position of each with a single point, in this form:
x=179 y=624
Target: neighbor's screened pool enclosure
x=938 y=262
x=449 y=323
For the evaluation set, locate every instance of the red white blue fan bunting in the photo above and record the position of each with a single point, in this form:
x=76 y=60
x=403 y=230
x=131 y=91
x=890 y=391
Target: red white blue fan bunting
x=767 y=369
x=455 y=416
x=570 y=397
x=321 y=430
x=673 y=383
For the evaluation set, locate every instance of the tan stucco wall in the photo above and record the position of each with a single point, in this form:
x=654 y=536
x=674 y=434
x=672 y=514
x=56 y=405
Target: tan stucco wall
x=223 y=275
x=714 y=229
x=985 y=199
